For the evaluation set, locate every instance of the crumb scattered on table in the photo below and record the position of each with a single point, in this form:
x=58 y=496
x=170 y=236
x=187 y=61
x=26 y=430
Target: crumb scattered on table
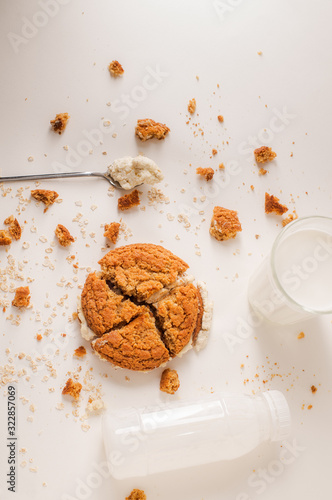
x=137 y=495
x=192 y=106
x=115 y=68
x=289 y=219
x=45 y=196
x=148 y=129
x=5 y=238
x=129 y=200
x=64 y=237
x=207 y=173
x=264 y=154
x=169 y=381
x=272 y=205
x=80 y=352
x=72 y=389
x=112 y=231
x=60 y=122
x=22 y=297
x=301 y=335
x=220 y=118
x=14 y=228
x=225 y=224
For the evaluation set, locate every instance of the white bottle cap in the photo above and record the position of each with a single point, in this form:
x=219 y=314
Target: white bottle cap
x=280 y=415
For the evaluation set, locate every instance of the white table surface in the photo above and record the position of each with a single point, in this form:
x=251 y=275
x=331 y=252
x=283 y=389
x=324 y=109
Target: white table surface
x=61 y=66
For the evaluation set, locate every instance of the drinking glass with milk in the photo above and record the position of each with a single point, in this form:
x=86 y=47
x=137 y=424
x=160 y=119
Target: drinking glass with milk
x=295 y=281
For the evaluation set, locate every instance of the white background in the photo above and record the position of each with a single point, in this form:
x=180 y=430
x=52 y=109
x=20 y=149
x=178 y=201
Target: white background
x=61 y=66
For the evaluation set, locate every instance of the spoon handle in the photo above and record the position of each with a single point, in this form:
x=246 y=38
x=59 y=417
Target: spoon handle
x=60 y=175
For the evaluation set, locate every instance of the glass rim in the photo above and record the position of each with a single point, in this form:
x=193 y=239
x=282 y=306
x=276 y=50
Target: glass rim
x=274 y=273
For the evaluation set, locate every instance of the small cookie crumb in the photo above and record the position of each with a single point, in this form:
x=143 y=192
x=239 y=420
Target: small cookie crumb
x=214 y=152
x=301 y=335
x=148 y=129
x=22 y=297
x=264 y=154
x=14 y=228
x=72 y=389
x=60 y=122
x=112 y=231
x=45 y=196
x=5 y=238
x=169 y=381
x=262 y=171
x=129 y=200
x=115 y=68
x=220 y=118
x=64 y=237
x=207 y=173
x=80 y=352
x=313 y=389
x=225 y=224
x=192 y=106
x=137 y=495
x=289 y=219
x=272 y=205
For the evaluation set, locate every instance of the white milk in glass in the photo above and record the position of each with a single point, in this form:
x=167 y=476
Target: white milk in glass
x=303 y=265
x=295 y=282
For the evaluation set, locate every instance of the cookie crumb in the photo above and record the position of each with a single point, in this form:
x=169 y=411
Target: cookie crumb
x=60 y=122
x=80 y=352
x=221 y=166
x=220 y=118
x=169 y=381
x=313 y=389
x=14 y=228
x=129 y=200
x=22 y=297
x=72 y=389
x=192 y=106
x=148 y=129
x=301 y=335
x=262 y=171
x=115 y=68
x=137 y=495
x=45 y=196
x=272 y=205
x=264 y=154
x=112 y=231
x=207 y=173
x=64 y=237
x=214 y=152
x=5 y=238
x=289 y=219
x=225 y=224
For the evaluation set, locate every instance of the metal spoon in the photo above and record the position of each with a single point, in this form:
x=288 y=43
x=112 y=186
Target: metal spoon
x=63 y=175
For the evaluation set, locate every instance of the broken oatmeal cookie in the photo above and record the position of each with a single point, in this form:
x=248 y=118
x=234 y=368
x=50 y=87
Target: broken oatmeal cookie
x=64 y=237
x=60 y=122
x=207 y=173
x=142 y=269
x=115 y=69
x=272 y=205
x=22 y=297
x=264 y=154
x=137 y=495
x=44 y=195
x=72 y=389
x=225 y=224
x=104 y=309
x=192 y=106
x=5 y=238
x=135 y=346
x=112 y=231
x=148 y=129
x=180 y=317
x=14 y=228
x=169 y=381
x=129 y=200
